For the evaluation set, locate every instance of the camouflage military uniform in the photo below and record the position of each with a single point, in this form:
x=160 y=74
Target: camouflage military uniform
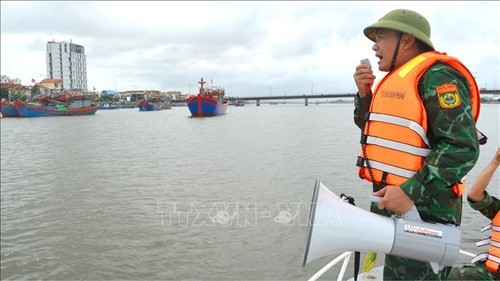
x=454 y=151
x=488 y=207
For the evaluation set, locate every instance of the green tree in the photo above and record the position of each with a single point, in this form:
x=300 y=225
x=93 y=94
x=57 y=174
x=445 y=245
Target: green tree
x=106 y=98
x=18 y=95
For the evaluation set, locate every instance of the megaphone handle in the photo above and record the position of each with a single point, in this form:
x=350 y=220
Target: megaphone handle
x=375 y=199
x=412 y=214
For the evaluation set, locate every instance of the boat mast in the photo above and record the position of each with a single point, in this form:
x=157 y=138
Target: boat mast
x=201 y=87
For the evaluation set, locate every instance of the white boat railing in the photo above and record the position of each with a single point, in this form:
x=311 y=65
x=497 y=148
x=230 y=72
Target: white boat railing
x=345 y=258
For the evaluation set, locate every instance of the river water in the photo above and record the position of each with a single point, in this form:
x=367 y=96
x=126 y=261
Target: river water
x=136 y=195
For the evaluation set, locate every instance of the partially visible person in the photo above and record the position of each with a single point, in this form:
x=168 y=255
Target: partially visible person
x=487 y=266
x=418 y=127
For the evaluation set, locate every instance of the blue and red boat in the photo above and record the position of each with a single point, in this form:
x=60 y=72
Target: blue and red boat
x=208 y=102
x=145 y=105
x=153 y=104
x=62 y=105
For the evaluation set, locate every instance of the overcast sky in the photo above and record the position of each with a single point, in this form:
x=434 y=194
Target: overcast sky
x=251 y=48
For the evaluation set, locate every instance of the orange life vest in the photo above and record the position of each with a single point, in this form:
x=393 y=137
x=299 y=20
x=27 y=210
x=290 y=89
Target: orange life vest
x=492 y=258
x=395 y=135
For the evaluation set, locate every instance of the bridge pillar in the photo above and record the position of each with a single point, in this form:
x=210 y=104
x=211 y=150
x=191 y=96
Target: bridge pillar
x=306 y=102
x=257 y=102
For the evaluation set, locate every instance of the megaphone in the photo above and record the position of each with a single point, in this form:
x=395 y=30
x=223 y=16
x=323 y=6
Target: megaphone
x=335 y=226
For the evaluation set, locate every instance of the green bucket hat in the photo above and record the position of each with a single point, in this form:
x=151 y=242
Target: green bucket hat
x=405 y=21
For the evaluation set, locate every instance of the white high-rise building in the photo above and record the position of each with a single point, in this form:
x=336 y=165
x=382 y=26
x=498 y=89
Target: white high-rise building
x=67 y=61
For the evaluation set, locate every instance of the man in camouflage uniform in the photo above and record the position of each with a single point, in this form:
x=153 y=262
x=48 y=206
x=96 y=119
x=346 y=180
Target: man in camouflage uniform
x=452 y=136
x=479 y=199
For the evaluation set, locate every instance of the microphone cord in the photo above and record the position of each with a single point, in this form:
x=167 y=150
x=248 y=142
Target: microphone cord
x=364 y=110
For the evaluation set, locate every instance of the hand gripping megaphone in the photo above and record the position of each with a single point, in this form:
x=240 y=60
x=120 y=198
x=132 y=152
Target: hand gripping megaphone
x=336 y=226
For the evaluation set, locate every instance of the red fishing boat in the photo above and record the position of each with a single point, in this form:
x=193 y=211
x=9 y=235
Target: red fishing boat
x=208 y=102
x=67 y=104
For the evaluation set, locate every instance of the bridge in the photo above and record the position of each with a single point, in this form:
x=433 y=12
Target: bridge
x=490 y=92
x=306 y=98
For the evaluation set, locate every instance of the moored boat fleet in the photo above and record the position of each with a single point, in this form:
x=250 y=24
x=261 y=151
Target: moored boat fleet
x=208 y=102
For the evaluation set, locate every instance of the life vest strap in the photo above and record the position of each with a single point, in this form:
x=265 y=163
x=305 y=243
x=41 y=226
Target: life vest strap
x=360 y=162
x=383 y=182
x=484 y=242
x=479 y=257
x=388 y=168
x=488 y=227
x=398 y=146
x=412 y=125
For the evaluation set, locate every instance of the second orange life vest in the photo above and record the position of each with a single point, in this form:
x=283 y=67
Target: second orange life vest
x=492 y=257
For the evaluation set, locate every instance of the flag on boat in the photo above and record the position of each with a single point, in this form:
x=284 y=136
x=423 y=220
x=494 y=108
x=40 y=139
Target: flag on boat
x=33 y=80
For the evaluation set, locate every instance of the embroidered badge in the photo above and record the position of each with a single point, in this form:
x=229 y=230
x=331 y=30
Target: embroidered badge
x=448 y=96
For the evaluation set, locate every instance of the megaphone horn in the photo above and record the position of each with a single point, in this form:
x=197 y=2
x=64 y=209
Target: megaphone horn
x=335 y=226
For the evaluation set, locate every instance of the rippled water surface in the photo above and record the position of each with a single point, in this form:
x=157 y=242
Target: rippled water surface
x=138 y=195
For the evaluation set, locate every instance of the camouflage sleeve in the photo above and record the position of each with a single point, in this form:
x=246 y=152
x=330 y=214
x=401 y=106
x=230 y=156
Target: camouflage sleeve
x=489 y=207
x=451 y=134
x=361 y=105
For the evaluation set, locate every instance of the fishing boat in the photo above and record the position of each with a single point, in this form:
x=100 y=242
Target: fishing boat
x=239 y=102
x=8 y=109
x=67 y=104
x=208 y=102
x=108 y=106
x=153 y=104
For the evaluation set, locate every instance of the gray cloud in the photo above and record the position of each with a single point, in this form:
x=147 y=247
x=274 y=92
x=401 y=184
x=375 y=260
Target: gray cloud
x=253 y=48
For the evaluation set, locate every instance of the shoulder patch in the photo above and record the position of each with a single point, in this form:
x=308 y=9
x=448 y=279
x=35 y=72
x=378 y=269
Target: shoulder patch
x=448 y=96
